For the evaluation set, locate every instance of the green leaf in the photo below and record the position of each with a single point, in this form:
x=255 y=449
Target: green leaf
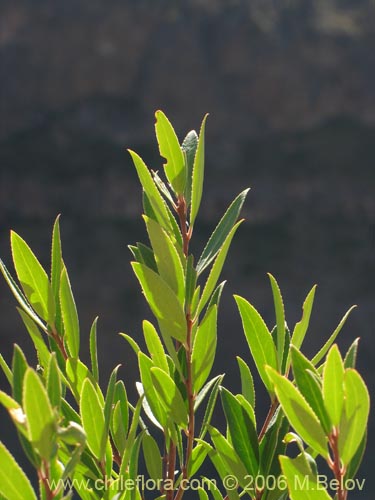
x=7 y=371
x=92 y=417
x=221 y=232
x=167 y=258
x=333 y=385
x=301 y=327
x=153 y=195
x=247 y=382
x=69 y=315
x=94 y=350
x=299 y=413
x=202 y=494
x=351 y=356
x=76 y=373
x=280 y=319
x=320 y=355
x=355 y=415
x=216 y=269
x=33 y=279
x=131 y=438
x=190 y=283
x=232 y=462
x=309 y=388
x=144 y=255
x=204 y=348
x=169 y=148
x=152 y=457
x=108 y=409
x=36 y=337
x=198 y=174
x=133 y=344
x=56 y=269
x=302 y=483
x=259 y=339
x=242 y=431
x=162 y=301
x=120 y=417
x=151 y=403
x=189 y=148
x=19 y=367
x=197 y=458
x=154 y=346
x=170 y=397
x=54 y=382
x=14 y=485
x=356 y=460
x=39 y=415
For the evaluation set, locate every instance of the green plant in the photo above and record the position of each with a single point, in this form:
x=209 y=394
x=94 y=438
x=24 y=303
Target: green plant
x=83 y=439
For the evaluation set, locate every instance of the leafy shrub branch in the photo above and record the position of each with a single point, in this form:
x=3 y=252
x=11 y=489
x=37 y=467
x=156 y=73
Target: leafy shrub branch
x=73 y=427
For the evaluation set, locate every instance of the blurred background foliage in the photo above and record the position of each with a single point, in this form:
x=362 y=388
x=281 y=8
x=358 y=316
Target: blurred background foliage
x=290 y=88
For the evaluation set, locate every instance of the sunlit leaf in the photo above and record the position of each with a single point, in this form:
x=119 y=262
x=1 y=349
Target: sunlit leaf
x=33 y=279
x=221 y=232
x=259 y=340
x=14 y=485
x=247 y=383
x=333 y=385
x=198 y=174
x=189 y=148
x=170 y=397
x=92 y=417
x=154 y=346
x=299 y=413
x=152 y=457
x=204 y=349
x=40 y=418
x=170 y=149
x=69 y=315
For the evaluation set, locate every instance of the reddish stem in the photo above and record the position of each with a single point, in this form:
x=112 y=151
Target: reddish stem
x=335 y=464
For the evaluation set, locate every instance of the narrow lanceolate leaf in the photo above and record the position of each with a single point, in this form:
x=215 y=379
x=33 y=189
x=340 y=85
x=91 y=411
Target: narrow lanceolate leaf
x=131 y=437
x=210 y=405
x=198 y=174
x=162 y=301
x=247 y=382
x=152 y=457
x=20 y=297
x=189 y=148
x=305 y=377
x=39 y=415
x=221 y=232
x=217 y=268
x=204 y=349
x=153 y=195
x=69 y=315
x=302 y=483
x=170 y=396
x=56 y=269
x=108 y=408
x=280 y=319
x=33 y=279
x=299 y=413
x=152 y=405
x=301 y=327
x=320 y=355
x=94 y=350
x=19 y=367
x=54 y=382
x=242 y=431
x=167 y=258
x=232 y=462
x=355 y=415
x=36 y=337
x=170 y=149
x=92 y=417
x=333 y=385
x=190 y=283
x=14 y=485
x=155 y=346
x=120 y=417
x=351 y=355
x=7 y=371
x=259 y=340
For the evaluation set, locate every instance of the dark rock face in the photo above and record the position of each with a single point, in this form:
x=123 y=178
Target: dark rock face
x=290 y=88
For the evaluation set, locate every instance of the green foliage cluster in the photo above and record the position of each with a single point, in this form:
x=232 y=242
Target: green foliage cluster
x=72 y=429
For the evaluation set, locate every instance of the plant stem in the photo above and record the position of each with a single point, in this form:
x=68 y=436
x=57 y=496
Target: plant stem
x=186 y=232
x=268 y=419
x=59 y=341
x=44 y=477
x=335 y=464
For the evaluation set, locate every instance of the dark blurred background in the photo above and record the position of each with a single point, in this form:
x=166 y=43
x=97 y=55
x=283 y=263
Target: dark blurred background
x=290 y=88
